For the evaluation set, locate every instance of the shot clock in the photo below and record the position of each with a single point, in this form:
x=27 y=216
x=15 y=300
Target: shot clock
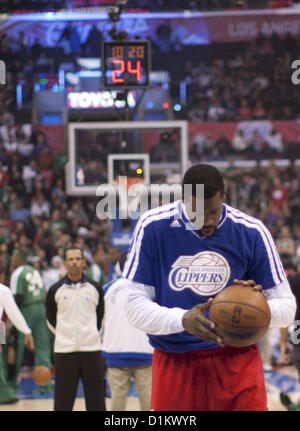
x=126 y=64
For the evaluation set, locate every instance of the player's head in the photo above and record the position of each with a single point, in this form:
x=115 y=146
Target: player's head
x=207 y=215
x=17 y=260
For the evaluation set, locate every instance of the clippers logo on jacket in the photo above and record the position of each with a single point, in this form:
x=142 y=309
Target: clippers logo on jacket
x=206 y=273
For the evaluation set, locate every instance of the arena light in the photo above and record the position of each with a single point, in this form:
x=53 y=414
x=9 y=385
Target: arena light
x=177 y=107
x=61 y=79
x=19 y=95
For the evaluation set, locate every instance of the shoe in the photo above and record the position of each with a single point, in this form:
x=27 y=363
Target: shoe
x=12 y=401
x=287 y=402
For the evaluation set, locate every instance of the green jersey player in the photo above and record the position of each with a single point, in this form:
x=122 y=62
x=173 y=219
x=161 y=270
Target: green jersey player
x=27 y=287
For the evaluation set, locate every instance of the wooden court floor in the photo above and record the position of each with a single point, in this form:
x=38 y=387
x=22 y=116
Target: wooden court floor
x=281 y=379
x=132 y=404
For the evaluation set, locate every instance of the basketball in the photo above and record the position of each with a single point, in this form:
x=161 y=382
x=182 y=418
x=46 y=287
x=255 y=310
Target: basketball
x=41 y=375
x=241 y=314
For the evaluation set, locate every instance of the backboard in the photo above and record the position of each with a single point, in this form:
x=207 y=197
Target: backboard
x=96 y=149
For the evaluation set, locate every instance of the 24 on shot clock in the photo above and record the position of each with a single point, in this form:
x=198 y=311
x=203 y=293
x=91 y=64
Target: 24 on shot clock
x=126 y=64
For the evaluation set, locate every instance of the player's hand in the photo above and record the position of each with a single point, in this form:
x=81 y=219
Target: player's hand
x=195 y=323
x=250 y=283
x=285 y=353
x=29 y=342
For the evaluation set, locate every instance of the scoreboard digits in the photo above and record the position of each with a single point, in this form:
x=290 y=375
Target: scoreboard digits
x=136 y=51
x=117 y=51
x=126 y=64
x=130 y=69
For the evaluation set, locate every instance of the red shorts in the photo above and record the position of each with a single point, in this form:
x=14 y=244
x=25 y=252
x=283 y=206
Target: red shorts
x=222 y=379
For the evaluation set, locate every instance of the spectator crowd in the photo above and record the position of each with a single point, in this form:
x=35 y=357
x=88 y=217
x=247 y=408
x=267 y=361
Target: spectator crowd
x=238 y=85
x=241 y=86
x=271 y=194
x=37 y=218
x=244 y=86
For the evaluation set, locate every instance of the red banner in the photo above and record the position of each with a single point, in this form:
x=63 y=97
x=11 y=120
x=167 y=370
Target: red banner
x=55 y=137
x=289 y=130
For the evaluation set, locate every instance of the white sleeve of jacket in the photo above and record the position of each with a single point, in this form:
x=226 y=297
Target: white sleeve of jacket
x=143 y=313
x=13 y=312
x=152 y=318
x=282 y=304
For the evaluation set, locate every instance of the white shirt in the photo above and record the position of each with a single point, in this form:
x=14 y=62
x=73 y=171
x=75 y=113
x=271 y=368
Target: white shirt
x=275 y=141
x=125 y=338
x=38 y=210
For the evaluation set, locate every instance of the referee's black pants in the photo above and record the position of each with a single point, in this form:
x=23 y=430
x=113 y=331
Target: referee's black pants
x=69 y=368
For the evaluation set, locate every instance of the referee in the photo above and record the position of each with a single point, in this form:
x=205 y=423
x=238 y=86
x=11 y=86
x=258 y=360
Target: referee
x=75 y=309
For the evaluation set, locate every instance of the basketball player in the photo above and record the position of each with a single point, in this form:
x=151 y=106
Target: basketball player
x=176 y=266
x=7 y=303
x=27 y=287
